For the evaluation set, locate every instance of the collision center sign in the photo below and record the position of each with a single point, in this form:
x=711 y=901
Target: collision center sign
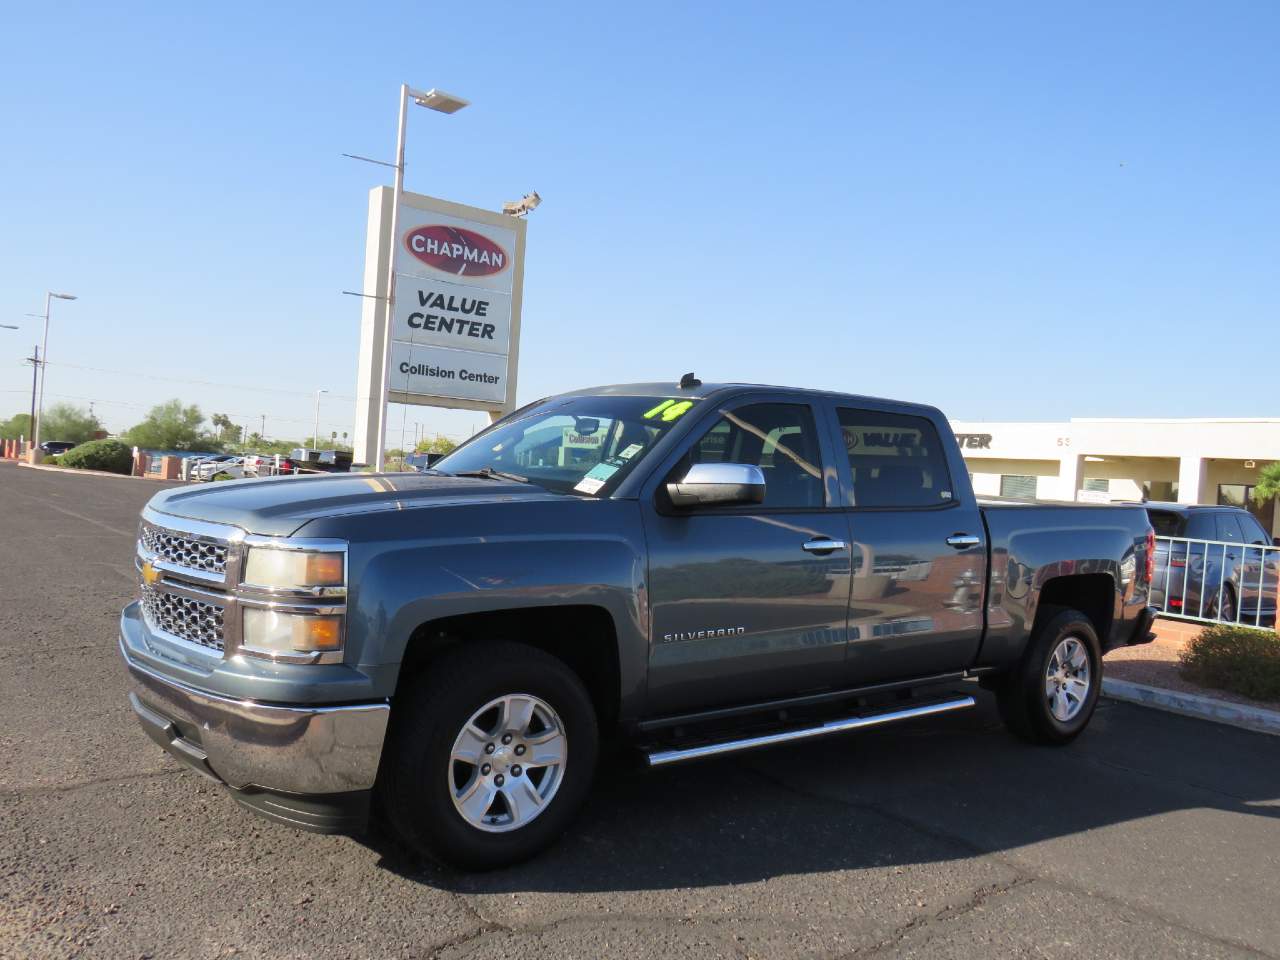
x=452 y=315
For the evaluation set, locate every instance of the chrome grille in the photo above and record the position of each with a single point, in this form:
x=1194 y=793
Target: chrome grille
x=184 y=551
x=192 y=620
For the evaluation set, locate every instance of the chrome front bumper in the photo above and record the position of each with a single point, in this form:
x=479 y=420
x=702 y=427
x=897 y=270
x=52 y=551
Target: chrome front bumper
x=252 y=746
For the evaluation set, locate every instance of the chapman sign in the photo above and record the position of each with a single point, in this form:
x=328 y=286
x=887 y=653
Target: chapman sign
x=454 y=323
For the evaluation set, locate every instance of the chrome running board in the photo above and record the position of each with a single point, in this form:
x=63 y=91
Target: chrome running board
x=659 y=758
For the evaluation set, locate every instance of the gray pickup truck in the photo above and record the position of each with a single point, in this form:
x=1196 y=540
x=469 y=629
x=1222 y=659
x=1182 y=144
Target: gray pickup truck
x=686 y=569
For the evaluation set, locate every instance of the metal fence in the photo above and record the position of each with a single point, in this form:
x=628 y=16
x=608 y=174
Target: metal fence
x=1216 y=581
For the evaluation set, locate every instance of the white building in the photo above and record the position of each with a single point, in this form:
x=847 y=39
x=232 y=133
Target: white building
x=1188 y=461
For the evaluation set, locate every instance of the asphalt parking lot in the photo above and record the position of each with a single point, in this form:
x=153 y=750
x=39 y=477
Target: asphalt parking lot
x=1153 y=835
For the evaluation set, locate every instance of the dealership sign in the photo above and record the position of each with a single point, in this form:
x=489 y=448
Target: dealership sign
x=441 y=304
x=453 y=318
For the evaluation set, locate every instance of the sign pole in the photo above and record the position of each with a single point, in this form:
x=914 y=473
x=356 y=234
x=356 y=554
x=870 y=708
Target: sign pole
x=380 y=455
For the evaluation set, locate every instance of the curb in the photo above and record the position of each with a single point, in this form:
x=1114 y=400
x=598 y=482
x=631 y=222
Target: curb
x=1258 y=719
x=69 y=471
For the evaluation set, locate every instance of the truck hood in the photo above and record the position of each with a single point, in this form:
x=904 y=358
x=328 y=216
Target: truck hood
x=278 y=506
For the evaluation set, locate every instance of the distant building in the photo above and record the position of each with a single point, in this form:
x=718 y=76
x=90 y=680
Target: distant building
x=1201 y=460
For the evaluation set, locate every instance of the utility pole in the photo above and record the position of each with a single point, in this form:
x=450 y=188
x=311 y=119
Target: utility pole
x=263 y=432
x=34 y=360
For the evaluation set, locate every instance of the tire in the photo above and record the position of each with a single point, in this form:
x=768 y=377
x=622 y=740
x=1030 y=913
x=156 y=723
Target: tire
x=1038 y=700
x=468 y=700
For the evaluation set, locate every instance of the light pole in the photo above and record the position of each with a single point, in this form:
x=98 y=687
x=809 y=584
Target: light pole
x=49 y=297
x=315 y=437
x=441 y=102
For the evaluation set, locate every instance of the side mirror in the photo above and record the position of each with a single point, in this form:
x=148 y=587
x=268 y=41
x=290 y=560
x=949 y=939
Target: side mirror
x=719 y=484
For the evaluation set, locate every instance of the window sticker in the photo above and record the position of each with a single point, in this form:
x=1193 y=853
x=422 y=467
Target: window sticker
x=602 y=471
x=650 y=414
x=631 y=451
x=669 y=410
x=596 y=477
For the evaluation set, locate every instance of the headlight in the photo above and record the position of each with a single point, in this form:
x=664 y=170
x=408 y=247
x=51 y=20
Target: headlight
x=280 y=569
x=290 y=634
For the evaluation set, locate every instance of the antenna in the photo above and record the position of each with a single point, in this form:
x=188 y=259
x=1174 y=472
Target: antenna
x=689 y=381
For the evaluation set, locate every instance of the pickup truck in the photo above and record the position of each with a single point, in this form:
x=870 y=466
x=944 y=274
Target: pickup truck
x=683 y=570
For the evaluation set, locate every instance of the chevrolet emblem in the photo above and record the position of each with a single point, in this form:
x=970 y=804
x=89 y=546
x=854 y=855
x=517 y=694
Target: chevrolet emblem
x=150 y=575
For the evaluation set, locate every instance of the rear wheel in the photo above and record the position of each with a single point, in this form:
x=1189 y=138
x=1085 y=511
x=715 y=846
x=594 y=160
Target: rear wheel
x=491 y=753
x=1051 y=695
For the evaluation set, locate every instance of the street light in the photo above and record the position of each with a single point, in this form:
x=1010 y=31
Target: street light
x=441 y=102
x=9 y=326
x=49 y=297
x=315 y=438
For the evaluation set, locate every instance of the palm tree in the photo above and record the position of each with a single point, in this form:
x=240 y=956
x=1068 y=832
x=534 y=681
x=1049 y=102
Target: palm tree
x=1268 y=486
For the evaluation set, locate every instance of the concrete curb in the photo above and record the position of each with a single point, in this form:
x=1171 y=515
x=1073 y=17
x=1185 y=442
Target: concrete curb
x=70 y=471
x=1258 y=719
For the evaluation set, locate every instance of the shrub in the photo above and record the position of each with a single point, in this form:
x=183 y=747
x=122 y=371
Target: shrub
x=1243 y=660
x=222 y=475
x=110 y=455
x=52 y=460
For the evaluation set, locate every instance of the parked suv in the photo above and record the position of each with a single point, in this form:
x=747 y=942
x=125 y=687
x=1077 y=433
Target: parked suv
x=1219 y=569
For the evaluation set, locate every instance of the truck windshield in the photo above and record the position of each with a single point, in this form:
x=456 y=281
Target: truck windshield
x=577 y=445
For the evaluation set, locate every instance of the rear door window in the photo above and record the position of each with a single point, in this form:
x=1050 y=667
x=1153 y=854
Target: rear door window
x=1202 y=526
x=1228 y=528
x=895 y=460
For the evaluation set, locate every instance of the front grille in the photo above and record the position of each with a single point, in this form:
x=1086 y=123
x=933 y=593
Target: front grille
x=185 y=551
x=192 y=620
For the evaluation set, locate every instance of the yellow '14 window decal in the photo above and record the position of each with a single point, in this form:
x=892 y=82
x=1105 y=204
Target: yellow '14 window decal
x=669 y=410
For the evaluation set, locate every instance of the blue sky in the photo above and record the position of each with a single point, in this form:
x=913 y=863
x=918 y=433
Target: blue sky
x=1013 y=210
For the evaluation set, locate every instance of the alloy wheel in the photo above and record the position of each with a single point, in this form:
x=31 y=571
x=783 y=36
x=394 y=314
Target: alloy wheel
x=1067 y=679
x=507 y=763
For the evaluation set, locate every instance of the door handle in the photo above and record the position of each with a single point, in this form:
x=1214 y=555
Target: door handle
x=823 y=546
x=962 y=541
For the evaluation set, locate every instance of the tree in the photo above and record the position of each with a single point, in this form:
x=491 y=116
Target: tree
x=228 y=431
x=65 y=421
x=19 y=425
x=172 y=426
x=1268 y=486
x=437 y=444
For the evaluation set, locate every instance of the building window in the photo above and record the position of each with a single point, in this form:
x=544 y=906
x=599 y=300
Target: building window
x=1017 y=487
x=1097 y=486
x=1234 y=495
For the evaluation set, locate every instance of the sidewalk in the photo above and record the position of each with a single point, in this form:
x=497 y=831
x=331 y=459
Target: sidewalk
x=1148 y=675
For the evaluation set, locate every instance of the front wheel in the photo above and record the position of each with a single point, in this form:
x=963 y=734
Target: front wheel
x=1051 y=695
x=490 y=756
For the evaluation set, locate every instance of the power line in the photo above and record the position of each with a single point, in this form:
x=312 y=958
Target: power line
x=134 y=374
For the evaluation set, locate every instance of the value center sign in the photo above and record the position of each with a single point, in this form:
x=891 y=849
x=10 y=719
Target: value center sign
x=452 y=315
x=442 y=302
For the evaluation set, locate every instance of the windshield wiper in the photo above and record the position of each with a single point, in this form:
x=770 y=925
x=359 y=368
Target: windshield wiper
x=488 y=473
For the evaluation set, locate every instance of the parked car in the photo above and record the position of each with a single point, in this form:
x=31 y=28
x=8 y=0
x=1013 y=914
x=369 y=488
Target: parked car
x=323 y=461
x=233 y=466
x=694 y=570
x=54 y=448
x=203 y=468
x=1222 y=572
